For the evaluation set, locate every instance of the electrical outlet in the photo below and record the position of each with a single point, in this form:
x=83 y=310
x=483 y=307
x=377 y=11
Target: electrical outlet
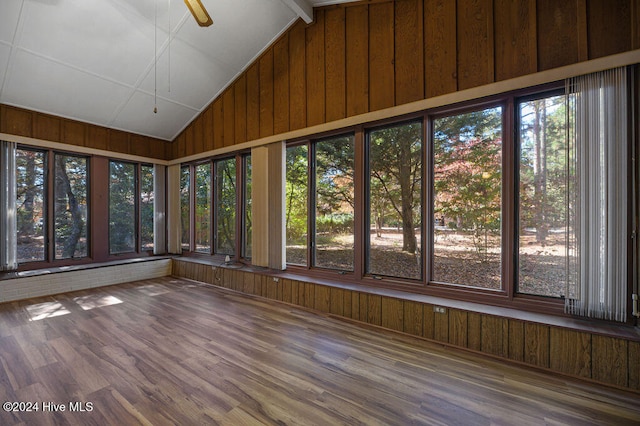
x=439 y=309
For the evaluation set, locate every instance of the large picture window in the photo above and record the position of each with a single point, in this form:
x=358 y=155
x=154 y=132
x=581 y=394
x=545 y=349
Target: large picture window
x=467 y=198
x=225 y=206
x=147 y=197
x=296 y=203
x=203 y=208
x=395 y=201
x=334 y=203
x=247 y=239
x=30 y=208
x=70 y=207
x=545 y=241
x=122 y=207
x=185 y=207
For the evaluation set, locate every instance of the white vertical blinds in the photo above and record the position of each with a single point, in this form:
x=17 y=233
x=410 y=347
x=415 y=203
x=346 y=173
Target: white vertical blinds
x=8 y=220
x=598 y=138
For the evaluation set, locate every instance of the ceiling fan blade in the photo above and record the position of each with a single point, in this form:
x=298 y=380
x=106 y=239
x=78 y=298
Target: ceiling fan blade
x=199 y=12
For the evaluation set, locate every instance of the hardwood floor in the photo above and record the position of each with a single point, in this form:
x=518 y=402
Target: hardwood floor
x=172 y=351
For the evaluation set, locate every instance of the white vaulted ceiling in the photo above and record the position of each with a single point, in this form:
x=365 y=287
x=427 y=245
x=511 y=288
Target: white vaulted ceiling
x=95 y=61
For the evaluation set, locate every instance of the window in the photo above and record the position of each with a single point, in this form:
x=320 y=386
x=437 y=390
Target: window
x=544 y=243
x=246 y=225
x=30 y=208
x=334 y=203
x=467 y=198
x=395 y=201
x=203 y=208
x=147 y=196
x=122 y=207
x=296 y=200
x=185 y=206
x=225 y=206
x=70 y=207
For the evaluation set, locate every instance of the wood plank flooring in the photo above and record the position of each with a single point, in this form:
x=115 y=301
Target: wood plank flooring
x=172 y=351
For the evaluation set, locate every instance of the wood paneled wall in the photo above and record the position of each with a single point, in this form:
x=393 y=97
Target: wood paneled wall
x=370 y=55
x=31 y=124
x=608 y=360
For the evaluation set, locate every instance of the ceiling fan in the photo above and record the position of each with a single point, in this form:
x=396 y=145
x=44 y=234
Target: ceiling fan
x=199 y=12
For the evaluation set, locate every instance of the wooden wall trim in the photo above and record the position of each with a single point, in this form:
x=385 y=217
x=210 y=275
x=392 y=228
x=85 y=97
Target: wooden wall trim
x=46 y=144
x=517 y=83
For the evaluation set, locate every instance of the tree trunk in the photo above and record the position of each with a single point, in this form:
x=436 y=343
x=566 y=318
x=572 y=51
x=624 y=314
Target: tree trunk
x=77 y=223
x=27 y=222
x=409 y=243
x=540 y=172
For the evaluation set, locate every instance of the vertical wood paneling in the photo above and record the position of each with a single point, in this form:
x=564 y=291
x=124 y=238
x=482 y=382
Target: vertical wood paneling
x=295 y=292
x=363 y=307
x=218 y=123
x=16 y=121
x=493 y=331
x=97 y=137
x=309 y=295
x=229 y=112
x=47 y=127
x=315 y=67
x=458 y=328
x=474 y=323
x=118 y=141
x=570 y=352
x=286 y=290
x=240 y=104
x=74 y=132
x=335 y=64
x=440 y=326
x=281 y=85
x=272 y=288
x=347 y=303
x=475 y=43
x=516 y=340
x=198 y=135
x=374 y=309
x=610 y=362
x=337 y=301
x=266 y=94
x=357 y=61
x=322 y=298
x=249 y=284
x=429 y=321
x=440 y=41
x=536 y=344
x=137 y=145
x=634 y=365
x=297 y=77
x=253 y=103
x=190 y=148
x=381 y=56
x=392 y=313
x=515 y=38
x=608 y=27
x=413 y=317
x=409 y=51
x=557 y=33
x=207 y=118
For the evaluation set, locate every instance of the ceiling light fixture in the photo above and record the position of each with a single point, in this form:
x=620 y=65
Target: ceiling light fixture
x=199 y=12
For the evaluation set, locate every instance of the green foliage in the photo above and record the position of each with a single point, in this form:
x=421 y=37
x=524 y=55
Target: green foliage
x=468 y=173
x=122 y=208
x=225 y=203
